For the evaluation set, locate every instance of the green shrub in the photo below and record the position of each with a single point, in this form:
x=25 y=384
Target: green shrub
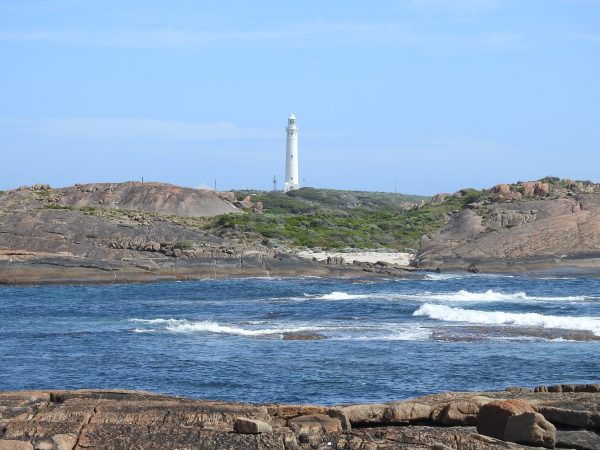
x=54 y=206
x=185 y=245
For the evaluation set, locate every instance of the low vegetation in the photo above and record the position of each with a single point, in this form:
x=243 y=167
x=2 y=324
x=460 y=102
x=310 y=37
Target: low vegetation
x=185 y=245
x=317 y=218
x=341 y=219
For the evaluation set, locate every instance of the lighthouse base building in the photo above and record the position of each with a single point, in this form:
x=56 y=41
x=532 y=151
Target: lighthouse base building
x=291 y=156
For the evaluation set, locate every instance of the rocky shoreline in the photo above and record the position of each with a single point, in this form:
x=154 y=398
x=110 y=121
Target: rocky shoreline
x=18 y=268
x=529 y=227
x=561 y=416
x=142 y=232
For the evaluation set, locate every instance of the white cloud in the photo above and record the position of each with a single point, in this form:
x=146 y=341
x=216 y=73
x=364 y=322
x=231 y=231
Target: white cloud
x=310 y=34
x=135 y=128
x=104 y=128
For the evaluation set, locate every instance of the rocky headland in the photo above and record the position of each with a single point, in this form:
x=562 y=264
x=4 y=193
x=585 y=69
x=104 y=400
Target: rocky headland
x=132 y=232
x=561 y=416
x=547 y=225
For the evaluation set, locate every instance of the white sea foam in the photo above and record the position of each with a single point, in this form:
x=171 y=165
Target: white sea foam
x=456 y=296
x=341 y=296
x=143 y=330
x=335 y=331
x=448 y=314
x=154 y=321
x=416 y=333
x=492 y=296
x=209 y=326
x=185 y=326
x=445 y=276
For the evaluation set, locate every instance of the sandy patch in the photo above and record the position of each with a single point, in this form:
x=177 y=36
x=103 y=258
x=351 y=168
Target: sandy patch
x=398 y=258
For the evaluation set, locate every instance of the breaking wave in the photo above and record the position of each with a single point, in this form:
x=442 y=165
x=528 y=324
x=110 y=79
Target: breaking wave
x=336 y=295
x=445 y=276
x=457 y=296
x=209 y=326
x=448 y=314
x=384 y=332
x=493 y=296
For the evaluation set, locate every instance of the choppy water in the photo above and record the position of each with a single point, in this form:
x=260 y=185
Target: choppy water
x=246 y=339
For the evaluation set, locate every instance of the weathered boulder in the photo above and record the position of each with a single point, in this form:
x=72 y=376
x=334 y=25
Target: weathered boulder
x=406 y=412
x=244 y=425
x=40 y=187
x=364 y=414
x=314 y=423
x=531 y=429
x=459 y=413
x=501 y=189
x=535 y=188
x=439 y=198
x=571 y=417
x=493 y=416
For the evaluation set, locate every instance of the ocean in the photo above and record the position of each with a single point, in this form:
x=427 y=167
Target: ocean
x=303 y=340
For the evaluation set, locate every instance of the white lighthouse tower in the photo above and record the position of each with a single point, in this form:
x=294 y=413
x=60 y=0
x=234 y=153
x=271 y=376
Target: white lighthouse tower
x=291 y=156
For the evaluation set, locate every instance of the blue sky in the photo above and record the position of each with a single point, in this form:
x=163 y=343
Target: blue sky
x=432 y=95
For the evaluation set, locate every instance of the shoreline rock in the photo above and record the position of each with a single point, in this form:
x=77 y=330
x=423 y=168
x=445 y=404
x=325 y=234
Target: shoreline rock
x=57 y=420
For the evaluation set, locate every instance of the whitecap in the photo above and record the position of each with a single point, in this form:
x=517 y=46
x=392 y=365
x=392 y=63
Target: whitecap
x=154 y=321
x=336 y=295
x=444 y=276
x=212 y=327
x=382 y=331
x=448 y=314
x=408 y=334
x=492 y=296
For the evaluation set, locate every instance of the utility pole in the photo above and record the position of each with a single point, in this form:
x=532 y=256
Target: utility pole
x=215 y=185
x=395 y=190
x=274 y=183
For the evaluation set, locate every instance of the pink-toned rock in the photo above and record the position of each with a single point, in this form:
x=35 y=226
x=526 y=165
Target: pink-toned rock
x=65 y=441
x=462 y=413
x=501 y=189
x=530 y=429
x=244 y=425
x=406 y=412
x=541 y=188
x=15 y=445
x=528 y=189
x=439 y=198
x=364 y=414
x=314 y=423
x=493 y=416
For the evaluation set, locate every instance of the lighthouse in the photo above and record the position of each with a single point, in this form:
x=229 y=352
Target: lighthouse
x=291 y=156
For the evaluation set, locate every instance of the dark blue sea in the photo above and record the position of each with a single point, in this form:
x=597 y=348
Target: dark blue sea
x=305 y=340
